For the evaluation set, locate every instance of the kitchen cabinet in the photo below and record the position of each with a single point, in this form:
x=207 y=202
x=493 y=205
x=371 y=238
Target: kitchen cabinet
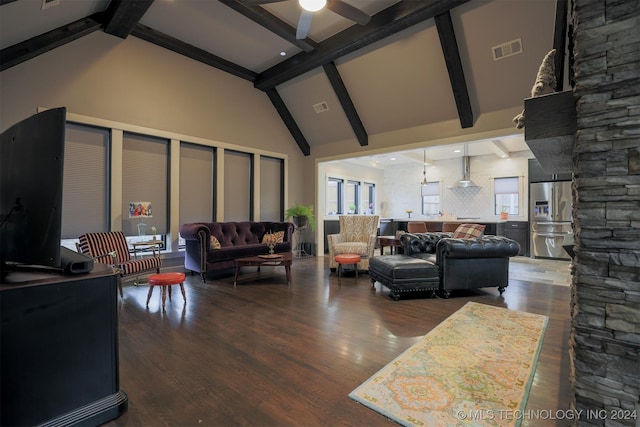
x=518 y=231
x=493 y=228
x=388 y=227
x=330 y=227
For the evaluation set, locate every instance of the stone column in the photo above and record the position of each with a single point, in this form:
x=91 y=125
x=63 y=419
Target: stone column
x=605 y=332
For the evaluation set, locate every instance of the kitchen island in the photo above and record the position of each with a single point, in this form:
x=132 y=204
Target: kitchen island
x=494 y=226
x=389 y=226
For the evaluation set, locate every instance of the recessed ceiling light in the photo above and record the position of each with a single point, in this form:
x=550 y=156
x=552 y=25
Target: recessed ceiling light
x=283 y=53
x=457 y=151
x=393 y=158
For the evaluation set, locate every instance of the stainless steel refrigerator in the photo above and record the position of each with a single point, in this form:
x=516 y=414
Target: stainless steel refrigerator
x=551 y=219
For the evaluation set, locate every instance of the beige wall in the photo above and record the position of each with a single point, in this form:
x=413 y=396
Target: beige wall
x=489 y=125
x=135 y=82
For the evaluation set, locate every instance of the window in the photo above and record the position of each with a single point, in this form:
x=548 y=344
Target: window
x=238 y=186
x=352 y=196
x=431 y=198
x=85 y=206
x=507 y=195
x=145 y=178
x=109 y=166
x=368 y=198
x=197 y=189
x=271 y=189
x=334 y=196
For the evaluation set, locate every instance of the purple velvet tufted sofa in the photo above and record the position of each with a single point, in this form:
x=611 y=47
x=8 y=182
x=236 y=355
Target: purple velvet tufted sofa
x=237 y=240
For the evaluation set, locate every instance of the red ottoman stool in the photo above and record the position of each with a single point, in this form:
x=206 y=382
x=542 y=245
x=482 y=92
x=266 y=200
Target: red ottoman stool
x=348 y=259
x=166 y=280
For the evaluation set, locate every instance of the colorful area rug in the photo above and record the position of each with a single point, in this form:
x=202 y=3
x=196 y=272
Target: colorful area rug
x=475 y=368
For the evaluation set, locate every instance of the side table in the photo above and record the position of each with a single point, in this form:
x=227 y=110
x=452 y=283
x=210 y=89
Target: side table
x=390 y=241
x=149 y=244
x=298 y=244
x=140 y=246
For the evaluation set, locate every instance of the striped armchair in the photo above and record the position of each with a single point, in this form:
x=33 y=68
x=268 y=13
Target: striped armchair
x=358 y=235
x=112 y=248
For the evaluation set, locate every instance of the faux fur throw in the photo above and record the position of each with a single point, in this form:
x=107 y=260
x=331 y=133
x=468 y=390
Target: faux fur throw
x=545 y=83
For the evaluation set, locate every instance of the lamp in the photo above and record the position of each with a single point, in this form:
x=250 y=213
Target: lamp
x=140 y=210
x=312 y=5
x=424 y=184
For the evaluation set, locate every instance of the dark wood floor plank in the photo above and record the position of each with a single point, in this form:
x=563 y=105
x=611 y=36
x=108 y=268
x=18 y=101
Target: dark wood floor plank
x=265 y=353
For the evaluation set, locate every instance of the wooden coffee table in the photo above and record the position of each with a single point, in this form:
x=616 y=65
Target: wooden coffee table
x=285 y=259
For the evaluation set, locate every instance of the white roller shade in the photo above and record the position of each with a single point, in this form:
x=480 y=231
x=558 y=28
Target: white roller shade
x=85 y=187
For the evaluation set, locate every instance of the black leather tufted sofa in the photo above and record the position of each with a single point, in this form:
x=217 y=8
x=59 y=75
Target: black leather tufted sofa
x=436 y=262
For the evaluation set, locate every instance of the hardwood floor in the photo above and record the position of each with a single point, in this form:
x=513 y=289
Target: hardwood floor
x=270 y=354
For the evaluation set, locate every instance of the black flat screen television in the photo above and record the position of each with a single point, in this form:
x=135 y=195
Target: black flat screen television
x=31 y=178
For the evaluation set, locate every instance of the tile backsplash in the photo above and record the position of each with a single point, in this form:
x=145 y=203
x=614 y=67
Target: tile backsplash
x=401 y=189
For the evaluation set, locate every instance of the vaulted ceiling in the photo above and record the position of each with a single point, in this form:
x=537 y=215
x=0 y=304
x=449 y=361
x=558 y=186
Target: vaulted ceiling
x=415 y=62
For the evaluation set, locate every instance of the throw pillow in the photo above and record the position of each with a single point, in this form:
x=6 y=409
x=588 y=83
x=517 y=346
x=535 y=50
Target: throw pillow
x=215 y=244
x=277 y=237
x=469 y=231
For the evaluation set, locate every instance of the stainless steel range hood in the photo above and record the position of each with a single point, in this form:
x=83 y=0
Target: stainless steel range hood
x=465 y=182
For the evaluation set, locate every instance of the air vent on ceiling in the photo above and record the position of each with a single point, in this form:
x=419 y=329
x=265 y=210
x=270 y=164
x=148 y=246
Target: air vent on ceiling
x=46 y=4
x=504 y=50
x=321 y=107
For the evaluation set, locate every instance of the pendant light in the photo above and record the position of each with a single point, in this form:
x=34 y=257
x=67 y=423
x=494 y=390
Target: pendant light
x=424 y=174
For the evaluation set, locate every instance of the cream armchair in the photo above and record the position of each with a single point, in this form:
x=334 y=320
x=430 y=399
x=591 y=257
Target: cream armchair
x=357 y=236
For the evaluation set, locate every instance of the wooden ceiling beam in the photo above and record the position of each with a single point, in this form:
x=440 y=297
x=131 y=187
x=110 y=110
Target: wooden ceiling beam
x=288 y=120
x=392 y=20
x=271 y=22
x=28 y=49
x=347 y=105
x=447 y=35
x=124 y=15
x=182 y=48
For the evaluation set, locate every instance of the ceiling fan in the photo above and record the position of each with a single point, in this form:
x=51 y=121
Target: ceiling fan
x=310 y=6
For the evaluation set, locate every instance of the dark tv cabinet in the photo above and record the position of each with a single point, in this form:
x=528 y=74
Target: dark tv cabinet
x=59 y=349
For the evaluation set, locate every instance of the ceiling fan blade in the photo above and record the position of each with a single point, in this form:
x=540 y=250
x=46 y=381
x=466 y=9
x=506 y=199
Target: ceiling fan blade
x=346 y=10
x=304 y=25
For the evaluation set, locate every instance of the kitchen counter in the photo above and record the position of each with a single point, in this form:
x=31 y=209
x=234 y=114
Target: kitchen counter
x=475 y=220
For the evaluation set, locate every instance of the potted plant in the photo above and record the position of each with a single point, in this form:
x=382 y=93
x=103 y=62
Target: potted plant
x=504 y=213
x=352 y=208
x=301 y=215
